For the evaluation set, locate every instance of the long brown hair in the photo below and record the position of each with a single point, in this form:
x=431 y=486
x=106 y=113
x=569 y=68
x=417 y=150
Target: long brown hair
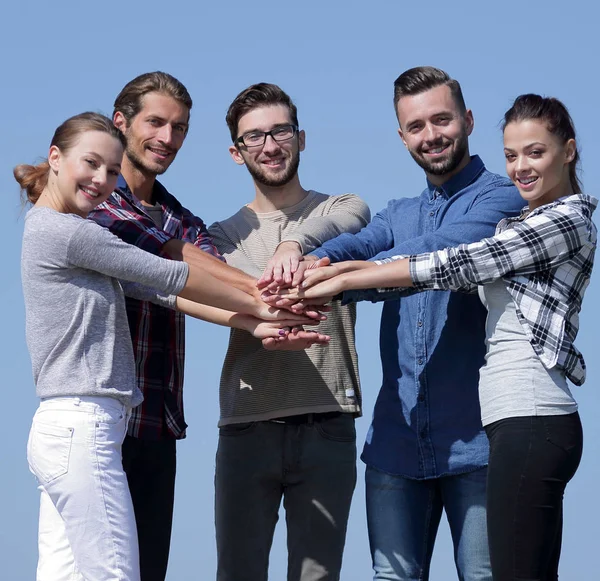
x=33 y=178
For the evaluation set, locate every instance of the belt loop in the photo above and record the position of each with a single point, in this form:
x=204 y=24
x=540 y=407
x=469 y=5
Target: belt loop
x=310 y=419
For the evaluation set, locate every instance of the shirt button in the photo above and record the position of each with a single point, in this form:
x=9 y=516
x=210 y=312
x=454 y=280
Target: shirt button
x=431 y=213
x=421 y=397
x=419 y=323
x=424 y=433
x=420 y=361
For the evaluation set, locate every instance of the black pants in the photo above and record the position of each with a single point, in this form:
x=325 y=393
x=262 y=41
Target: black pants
x=531 y=461
x=150 y=468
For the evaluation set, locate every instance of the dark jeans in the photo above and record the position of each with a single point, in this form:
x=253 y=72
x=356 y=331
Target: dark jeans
x=311 y=463
x=531 y=461
x=150 y=468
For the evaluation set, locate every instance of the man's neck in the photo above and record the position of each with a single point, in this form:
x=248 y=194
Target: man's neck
x=140 y=184
x=270 y=199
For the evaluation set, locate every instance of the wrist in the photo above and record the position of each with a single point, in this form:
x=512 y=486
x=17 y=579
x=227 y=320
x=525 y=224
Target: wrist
x=292 y=245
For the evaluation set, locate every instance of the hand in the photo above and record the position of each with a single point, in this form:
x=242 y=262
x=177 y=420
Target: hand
x=315 y=275
x=277 y=330
x=270 y=313
x=297 y=340
x=282 y=266
x=299 y=298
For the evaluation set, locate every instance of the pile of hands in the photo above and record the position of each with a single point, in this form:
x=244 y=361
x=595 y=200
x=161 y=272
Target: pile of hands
x=295 y=290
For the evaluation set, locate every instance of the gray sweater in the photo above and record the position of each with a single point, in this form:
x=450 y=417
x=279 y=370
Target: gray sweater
x=76 y=323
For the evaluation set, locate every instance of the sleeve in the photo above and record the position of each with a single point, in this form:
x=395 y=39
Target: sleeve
x=541 y=242
x=374 y=238
x=130 y=226
x=142 y=292
x=345 y=213
x=93 y=247
x=479 y=222
x=195 y=231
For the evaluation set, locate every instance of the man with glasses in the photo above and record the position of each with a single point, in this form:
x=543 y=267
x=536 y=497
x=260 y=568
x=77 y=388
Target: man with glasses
x=287 y=418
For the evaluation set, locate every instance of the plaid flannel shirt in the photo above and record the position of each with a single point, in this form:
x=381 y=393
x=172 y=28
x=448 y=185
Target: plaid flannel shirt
x=546 y=258
x=158 y=333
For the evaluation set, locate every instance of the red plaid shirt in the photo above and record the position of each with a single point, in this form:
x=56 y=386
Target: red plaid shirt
x=158 y=333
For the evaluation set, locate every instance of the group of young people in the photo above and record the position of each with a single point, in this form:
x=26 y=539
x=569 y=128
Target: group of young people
x=112 y=263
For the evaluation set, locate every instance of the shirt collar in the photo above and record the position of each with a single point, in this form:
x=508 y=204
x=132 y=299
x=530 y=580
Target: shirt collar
x=459 y=181
x=158 y=190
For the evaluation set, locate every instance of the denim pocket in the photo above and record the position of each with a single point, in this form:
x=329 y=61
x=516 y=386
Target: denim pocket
x=340 y=428
x=48 y=451
x=236 y=429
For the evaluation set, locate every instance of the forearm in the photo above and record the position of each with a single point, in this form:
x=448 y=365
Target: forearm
x=204 y=288
x=215 y=315
x=179 y=250
x=370 y=275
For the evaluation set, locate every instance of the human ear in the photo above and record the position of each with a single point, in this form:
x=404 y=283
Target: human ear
x=301 y=140
x=54 y=158
x=236 y=155
x=120 y=122
x=570 y=150
x=401 y=134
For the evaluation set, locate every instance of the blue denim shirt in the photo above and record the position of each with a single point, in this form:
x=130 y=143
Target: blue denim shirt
x=426 y=421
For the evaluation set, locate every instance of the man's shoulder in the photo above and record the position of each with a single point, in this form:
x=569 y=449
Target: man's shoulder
x=229 y=224
x=488 y=180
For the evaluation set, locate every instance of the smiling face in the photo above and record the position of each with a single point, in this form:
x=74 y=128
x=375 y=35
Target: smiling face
x=273 y=164
x=155 y=134
x=537 y=161
x=86 y=174
x=435 y=131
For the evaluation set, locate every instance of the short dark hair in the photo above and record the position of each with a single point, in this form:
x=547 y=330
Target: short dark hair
x=558 y=121
x=258 y=95
x=420 y=79
x=129 y=100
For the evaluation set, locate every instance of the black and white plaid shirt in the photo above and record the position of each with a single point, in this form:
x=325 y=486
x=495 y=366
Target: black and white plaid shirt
x=546 y=258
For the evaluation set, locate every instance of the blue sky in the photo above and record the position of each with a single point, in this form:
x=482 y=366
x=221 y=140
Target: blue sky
x=338 y=61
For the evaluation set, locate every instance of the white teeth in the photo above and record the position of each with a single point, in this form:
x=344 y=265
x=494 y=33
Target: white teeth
x=90 y=192
x=526 y=181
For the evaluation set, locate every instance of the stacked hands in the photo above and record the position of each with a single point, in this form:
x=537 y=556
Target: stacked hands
x=284 y=287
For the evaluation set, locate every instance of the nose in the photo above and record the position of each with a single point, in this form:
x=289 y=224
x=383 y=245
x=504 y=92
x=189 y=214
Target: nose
x=431 y=132
x=165 y=135
x=521 y=163
x=100 y=177
x=270 y=144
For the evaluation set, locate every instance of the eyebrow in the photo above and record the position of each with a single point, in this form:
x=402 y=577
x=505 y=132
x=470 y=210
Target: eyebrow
x=274 y=127
x=528 y=146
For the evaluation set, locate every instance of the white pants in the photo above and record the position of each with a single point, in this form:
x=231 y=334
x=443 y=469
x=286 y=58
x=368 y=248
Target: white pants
x=87 y=528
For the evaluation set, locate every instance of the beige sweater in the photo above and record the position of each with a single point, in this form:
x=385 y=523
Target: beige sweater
x=257 y=384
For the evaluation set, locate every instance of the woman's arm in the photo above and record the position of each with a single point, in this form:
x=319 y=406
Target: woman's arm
x=283 y=331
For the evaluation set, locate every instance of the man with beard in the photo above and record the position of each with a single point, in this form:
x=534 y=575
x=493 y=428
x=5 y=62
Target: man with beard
x=287 y=419
x=153 y=111
x=426 y=450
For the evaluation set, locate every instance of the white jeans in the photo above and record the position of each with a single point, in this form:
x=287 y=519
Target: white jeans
x=87 y=525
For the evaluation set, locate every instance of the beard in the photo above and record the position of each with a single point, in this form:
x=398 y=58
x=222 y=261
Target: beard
x=260 y=175
x=449 y=163
x=138 y=162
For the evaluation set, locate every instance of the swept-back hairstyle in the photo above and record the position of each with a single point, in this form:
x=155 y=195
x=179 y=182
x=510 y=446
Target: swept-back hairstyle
x=129 y=101
x=33 y=178
x=258 y=95
x=557 y=119
x=420 y=79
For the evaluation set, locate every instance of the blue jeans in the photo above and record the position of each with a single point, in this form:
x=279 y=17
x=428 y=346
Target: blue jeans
x=310 y=462
x=403 y=517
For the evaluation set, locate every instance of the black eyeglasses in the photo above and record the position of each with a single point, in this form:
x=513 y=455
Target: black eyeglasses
x=258 y=138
